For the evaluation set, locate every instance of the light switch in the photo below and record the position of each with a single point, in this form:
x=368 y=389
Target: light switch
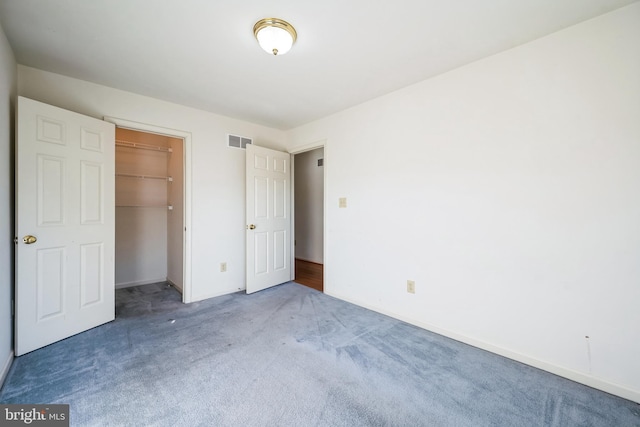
x=342 y=202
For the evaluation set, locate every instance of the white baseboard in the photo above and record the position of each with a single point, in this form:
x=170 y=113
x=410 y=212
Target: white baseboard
x=5 y=368
x=217 y=294
x=570 y=374
x=309 y=260
x=138 y=283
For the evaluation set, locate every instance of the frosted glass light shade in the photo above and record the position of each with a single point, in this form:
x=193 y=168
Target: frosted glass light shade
x=274 y=35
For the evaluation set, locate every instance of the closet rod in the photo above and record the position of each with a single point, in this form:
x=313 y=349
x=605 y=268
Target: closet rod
x=130 y=175
x=129 y=144
x=169 y=207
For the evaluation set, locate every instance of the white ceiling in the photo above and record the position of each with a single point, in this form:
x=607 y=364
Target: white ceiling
x=201 y=53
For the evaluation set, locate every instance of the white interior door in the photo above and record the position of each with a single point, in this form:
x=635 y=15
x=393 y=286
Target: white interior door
x=65 y=224
x=268 y=218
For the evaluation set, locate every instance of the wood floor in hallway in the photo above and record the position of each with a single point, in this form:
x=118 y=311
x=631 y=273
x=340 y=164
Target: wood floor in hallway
x=310 y=274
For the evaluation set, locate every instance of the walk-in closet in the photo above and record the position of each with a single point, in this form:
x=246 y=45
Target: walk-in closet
x=149 y=209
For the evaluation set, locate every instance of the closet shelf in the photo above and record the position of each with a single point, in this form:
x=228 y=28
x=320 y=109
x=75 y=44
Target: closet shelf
x=169 y=207
x=131 y=175
x=141 y=146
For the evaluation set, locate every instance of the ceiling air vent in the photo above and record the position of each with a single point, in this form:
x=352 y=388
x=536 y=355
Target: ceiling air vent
x=236 y=141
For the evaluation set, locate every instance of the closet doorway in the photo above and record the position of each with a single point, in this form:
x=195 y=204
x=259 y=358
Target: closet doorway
x=150 y=209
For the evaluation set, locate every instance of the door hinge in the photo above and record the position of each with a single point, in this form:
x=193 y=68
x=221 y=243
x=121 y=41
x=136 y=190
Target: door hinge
x=13 y=308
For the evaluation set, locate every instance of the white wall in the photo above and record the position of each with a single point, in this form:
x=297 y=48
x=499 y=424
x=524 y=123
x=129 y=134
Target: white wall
x=309 y=205
x=7 y=105
x=509 y=190
x=141 y=246
x=218 y=217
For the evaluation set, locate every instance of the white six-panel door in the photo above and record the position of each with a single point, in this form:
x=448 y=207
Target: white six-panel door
x=65 y=202
x=268 y=218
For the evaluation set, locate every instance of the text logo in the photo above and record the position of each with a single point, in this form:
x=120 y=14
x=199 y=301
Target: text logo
x=34 y=415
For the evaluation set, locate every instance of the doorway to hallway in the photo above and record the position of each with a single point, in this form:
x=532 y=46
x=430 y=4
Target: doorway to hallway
x=309 y=218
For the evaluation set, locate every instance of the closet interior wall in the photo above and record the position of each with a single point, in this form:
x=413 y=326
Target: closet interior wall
x=175 y=217
x=149 y=208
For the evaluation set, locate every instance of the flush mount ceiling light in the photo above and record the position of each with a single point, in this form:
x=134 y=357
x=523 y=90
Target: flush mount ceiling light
x=275 y=35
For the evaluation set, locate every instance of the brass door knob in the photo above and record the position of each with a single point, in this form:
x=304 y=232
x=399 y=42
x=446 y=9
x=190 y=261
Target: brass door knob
x=251 y=227
x=29 y=239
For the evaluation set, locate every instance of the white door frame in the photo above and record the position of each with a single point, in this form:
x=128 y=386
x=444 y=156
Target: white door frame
x=299 y=150
x=186 y=137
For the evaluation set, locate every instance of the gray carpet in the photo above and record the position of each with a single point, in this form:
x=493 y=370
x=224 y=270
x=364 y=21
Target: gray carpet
x=290 y=356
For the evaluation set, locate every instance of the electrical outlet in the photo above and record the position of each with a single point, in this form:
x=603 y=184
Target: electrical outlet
x=411 y=286
x=223 y=267
x=342 y=202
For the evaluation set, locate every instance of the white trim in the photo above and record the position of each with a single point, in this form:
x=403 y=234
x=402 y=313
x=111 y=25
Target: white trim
x=219 y=294
x=186 y=136
x=292 y=206
x=324 y=215
x=309 y=260
x=308 y=147
x=570 y=374
x=6 y=367
x=140 y=283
